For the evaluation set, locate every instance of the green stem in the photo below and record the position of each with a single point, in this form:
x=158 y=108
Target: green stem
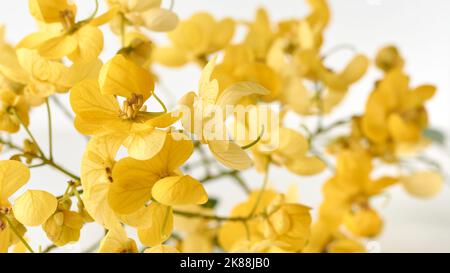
x=339 y=48
x=211 y=217
x=29 y=133
x=50 y=133
x=45 y=161
x=18 y=234
x=255 y=141
x=160 y=102
x=49 y=248
x=63 y=170
x=261 y=192
x=94 y=13
x=233 y=174
x=319 y=94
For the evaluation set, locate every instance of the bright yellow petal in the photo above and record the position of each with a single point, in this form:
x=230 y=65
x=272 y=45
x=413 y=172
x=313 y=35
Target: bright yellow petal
x=208 y=89
x=164 y=120
x=355 y=69
x=402 y=130
x=169 y=56
x=161 y=228
x=234 y=93
x=91 y=106
x=424 y=184
x=224 y=32
x=122 y=77
x=292 y=143
x=34 y=40
x=98 y=160
x=176 y=150
x=117 y=242
x=58 y=47
x=13 y=175
x=105 y=17
x=49 y=11
x=374 y=121
x=179 y=190
x=188 y=36
x=132 y=186
x=34 y=207
x=90 y=44
x=145 y=144
x=306 y=165
x=142 y=218
x=96 y=203
x=158 y=19
x=232 y=156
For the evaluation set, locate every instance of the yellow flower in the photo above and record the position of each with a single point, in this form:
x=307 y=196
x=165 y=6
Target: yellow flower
x=138 y=48
x=136 y=182
x=324 y=239
x=10 y=105
x=240 y=64
x=143 y=13
x=207 y=125
x=63 y=227
x=194 y=39
x=394 y=112
x=13 y=175
x=79 y=41
x=292 y=153
x=363 y=222
x=98 y=111
x=281 y=146
x=96 y=178
x=41 y=78
x=286 y=225
x=351 y=188
x=295 y=55
x=117 y=242
x=389 y=58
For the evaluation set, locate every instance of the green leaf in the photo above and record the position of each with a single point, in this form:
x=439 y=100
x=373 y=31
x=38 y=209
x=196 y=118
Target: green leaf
x=212 y=203
x=435 y=135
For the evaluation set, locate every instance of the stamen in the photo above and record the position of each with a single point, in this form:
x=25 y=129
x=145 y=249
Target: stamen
x=2 y=225
x=132 y=106
x=67 y=19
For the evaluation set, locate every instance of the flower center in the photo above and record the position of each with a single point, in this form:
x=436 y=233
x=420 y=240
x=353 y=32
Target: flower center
x=132 y=106
x=67 y=19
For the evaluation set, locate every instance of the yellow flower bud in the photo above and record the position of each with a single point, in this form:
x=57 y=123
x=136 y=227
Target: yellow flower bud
x=365 y=222
x=63 y=227
x=388 y=58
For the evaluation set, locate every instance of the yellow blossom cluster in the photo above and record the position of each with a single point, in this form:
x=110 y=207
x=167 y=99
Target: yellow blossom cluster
x=135 y=176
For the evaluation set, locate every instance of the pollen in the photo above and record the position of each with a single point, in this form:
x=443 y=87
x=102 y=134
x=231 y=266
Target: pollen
x=132 y=106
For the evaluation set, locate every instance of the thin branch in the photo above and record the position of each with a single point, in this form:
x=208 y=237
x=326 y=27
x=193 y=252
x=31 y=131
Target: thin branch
x=50 y=133
x=10 y=224
x=261 y=192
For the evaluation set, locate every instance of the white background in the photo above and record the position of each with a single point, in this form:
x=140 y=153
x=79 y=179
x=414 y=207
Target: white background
x=418 y=27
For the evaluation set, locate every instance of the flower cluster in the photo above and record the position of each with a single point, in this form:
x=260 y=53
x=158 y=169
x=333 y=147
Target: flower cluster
x=135 y=176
